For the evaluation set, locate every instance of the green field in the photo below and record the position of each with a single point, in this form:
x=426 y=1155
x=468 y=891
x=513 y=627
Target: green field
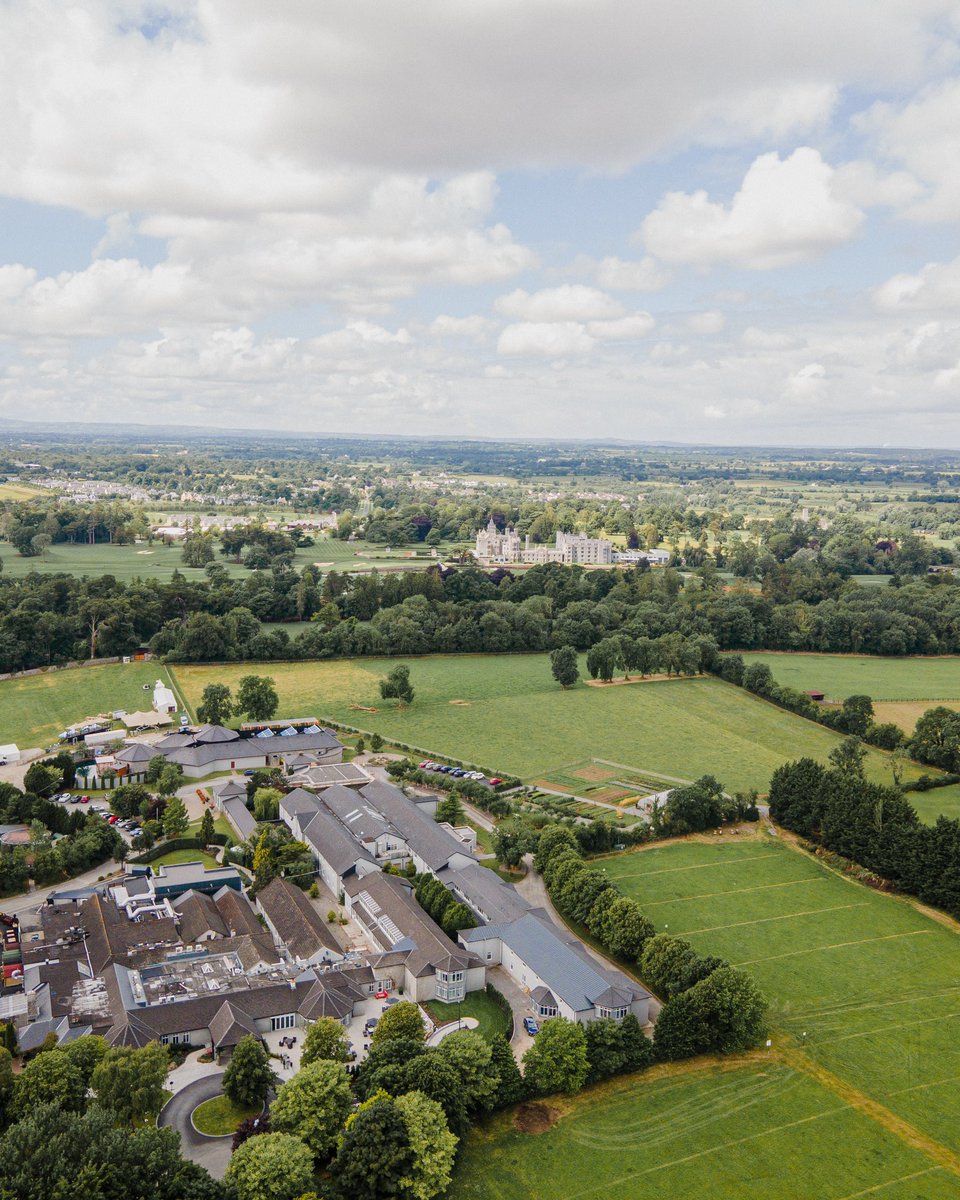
x=765 y=1132
x=158 y=561
x=867 y=986
x=512 y=717
x=34 y=709
x=842 y=675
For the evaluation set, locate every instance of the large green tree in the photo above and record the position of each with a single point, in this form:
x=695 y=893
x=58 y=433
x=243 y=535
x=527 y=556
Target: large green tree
x=273 y=1166
x=257 y=697
x=374 y=1155
x=433 y=1147
x=49 y=1078
x=216 y=704
x=564 y=666
x=249 y=1076
x=130 y=1082
x=325 y=1039
x=313 y=1106
x=397 y=685
x=403 y=1020
x=557 y=1061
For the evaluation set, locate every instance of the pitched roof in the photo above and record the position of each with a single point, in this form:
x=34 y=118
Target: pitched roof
x=562 y=964
x=332 y=842
x=199 y=915
x=491 y=898
x=418 y=829
x=298 y=924
x=135 y=752
x=386 y=905
x=240 y=816
x=237 y=912
x=229 y=1025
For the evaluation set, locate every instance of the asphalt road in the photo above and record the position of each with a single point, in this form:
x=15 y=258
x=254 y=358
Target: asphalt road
x=210 y=1152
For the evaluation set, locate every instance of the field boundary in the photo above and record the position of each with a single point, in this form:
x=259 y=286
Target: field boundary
x=862 y=1103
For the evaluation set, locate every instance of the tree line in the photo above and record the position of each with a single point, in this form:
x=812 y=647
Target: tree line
x=51 y=619
x=873 y=826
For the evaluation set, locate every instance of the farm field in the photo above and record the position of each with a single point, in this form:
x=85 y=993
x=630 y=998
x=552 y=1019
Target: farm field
x=906 y=713
x=753 y=1133
x=484 y=709
x=842 y=675
x=937 y=802
x=159 y=561
x=36 y=708
x=867 y=986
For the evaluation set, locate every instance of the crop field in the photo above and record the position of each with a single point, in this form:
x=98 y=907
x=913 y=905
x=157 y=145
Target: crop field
x=758 y=1132
x=842 y=675
x=506 y=713
x=33 y=710
x=866 y=986
x=159 y=561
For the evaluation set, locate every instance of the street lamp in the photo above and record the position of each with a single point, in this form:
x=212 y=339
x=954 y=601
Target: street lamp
x=459 y=1003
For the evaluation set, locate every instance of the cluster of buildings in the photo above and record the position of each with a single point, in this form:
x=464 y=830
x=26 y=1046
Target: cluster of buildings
x=183 y=956
x=492 y=546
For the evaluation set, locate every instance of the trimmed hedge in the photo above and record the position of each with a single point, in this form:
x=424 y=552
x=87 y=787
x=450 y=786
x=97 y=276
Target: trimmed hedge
x=162 y=848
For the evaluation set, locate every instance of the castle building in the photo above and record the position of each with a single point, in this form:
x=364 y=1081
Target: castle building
x=494 y=546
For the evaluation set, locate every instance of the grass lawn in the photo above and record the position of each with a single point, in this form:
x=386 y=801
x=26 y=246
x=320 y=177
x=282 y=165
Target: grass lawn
x=219 y=1117
x=493 y=1019
x=937 y=802
x=158 y=561
x=761 y=1132
x=842 y=675
x=868 y=986
x=512 y=717
x=185 y=856
x=33 y=710
x=220 y=825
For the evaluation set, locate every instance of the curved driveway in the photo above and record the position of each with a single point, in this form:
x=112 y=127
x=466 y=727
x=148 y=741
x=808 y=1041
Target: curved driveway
x=210 y=1152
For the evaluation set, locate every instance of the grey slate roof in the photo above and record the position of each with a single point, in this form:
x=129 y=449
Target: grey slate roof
x=488 y=895
x=197 y=750
x=418 y=829
x=354 y=812
x=135 y=752
x=240 y=816
x=297 y=803
x=333 y=843
x=563 y=966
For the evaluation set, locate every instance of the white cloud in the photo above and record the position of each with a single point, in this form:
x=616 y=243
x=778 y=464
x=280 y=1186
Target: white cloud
x=645 y=275
x=706 y=322
x=784 y=213
x=554 y=339
x=923 y=135
x=935 y=288
x=475 y=328
x=630 y=328
x=569 y=302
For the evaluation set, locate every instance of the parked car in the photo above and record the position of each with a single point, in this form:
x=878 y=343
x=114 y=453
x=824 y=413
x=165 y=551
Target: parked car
x=494 y=780
x=531 y=1026
x=112 y=819
x=84 y=799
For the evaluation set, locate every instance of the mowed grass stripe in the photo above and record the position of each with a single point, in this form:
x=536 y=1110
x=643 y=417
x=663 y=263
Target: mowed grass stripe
x=749 y=1132
x=760 y=887
x=874 y=988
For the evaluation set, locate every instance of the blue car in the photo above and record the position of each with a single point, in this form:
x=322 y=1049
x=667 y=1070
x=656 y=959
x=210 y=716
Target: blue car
x=531 y=1026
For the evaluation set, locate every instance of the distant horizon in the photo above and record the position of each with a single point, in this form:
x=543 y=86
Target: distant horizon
x=12 y=427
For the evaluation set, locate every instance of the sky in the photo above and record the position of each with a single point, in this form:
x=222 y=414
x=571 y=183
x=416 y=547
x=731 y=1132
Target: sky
x=727 y=223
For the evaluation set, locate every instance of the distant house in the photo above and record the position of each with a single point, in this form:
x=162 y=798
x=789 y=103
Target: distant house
x=815 y=695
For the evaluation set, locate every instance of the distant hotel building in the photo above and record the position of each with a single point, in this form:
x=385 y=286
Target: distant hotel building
x=572 y=548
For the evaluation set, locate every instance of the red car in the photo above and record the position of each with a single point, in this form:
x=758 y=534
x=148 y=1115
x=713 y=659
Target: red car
x=84 y=799
x=494 y=781
x=112 y=819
